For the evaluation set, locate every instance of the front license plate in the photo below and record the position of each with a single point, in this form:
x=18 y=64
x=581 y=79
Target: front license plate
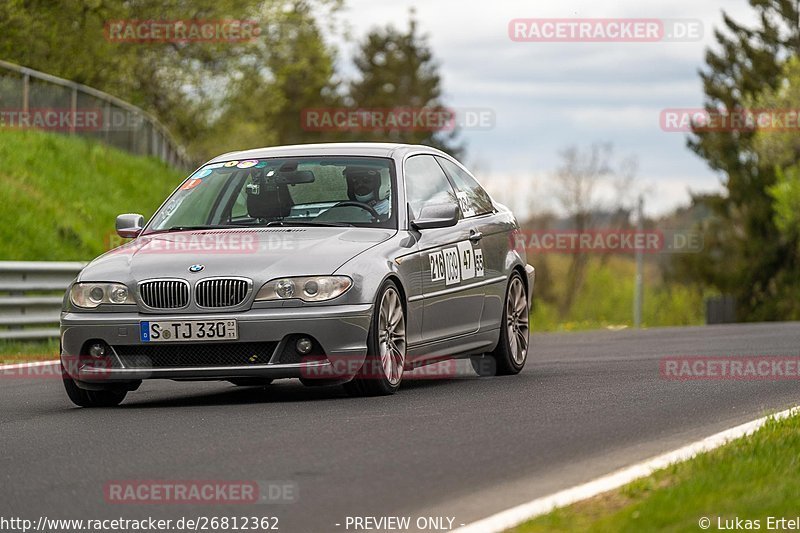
x=193 y=330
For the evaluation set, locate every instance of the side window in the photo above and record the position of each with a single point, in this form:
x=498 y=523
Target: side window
x=473 y=199
x=426 y=183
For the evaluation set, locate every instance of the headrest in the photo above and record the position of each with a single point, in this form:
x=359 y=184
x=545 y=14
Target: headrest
x=268 y=200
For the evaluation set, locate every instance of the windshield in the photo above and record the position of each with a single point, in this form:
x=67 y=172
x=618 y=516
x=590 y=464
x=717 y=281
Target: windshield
x=323 y=191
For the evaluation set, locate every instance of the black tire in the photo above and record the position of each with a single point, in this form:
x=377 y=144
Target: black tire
x=510 y=355
x=484 y=365
x=91 y=398
x=372 y=378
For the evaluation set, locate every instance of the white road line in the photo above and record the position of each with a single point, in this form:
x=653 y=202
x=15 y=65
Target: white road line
x=516 y=515
x=28 y=365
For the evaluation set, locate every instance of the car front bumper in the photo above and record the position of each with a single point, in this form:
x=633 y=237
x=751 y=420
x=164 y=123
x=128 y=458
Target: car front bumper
x=530 y=272
x=340 y=332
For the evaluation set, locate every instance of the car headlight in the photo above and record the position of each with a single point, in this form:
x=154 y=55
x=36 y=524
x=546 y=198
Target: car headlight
x=308 y=289
x=90 y=295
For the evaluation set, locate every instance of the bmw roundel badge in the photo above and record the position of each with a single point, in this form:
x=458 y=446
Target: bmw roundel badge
x=196 y=268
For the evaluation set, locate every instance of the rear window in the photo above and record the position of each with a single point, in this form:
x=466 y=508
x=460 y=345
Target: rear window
x=472 y=198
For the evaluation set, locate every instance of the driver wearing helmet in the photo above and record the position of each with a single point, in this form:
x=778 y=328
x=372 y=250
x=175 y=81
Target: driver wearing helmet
x=364 y=185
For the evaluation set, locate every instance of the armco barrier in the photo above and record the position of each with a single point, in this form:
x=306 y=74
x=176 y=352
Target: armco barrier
x=27 y=95
x=30 y=297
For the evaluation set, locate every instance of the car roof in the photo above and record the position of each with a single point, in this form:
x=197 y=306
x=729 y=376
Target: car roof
x=368 y=149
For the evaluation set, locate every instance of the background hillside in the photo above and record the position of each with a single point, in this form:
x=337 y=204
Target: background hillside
x=61 y=194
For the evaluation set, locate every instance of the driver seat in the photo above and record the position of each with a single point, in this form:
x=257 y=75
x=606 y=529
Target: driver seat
x=269 y=200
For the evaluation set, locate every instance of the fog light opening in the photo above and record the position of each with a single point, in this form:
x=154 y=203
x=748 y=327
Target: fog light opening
x=304 y=346
x=98 y=350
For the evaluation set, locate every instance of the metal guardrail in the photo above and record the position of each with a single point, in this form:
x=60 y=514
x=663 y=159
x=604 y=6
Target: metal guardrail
x=28 y=93
x=31 y=293
x=721 y=309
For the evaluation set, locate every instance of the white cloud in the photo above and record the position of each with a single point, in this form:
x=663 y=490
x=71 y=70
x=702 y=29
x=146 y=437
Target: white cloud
x=531 y=194
x=550 y=95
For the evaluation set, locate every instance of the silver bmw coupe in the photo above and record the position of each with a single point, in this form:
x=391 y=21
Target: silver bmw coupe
x=333 y=263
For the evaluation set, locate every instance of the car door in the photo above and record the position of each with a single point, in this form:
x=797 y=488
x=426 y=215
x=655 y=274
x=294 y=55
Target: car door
x=493 y=243
x=453 y=302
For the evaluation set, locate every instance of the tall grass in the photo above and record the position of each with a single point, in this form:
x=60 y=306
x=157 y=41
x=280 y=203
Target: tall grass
x=606 y=296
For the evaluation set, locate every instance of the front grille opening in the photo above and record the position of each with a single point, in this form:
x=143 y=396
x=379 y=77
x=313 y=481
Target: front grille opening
x=164 y=294
x=217 y=293
x=194 y=355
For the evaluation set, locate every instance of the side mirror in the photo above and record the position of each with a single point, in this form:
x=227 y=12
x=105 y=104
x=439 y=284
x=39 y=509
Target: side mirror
x=436 y=216
x=129 y=225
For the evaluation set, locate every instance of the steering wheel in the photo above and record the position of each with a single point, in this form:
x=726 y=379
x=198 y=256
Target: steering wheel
x=353 y=203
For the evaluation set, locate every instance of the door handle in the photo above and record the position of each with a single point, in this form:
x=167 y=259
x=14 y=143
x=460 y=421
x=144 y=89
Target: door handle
x=475 y=236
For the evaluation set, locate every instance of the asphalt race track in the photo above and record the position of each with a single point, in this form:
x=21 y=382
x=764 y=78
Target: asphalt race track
x=586 y=404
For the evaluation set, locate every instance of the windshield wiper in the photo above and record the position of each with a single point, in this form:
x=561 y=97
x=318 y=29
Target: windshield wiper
x=190 y=228
x=312 y=223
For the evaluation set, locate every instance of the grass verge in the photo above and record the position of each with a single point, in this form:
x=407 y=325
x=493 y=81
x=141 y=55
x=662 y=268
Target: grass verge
x=26 y=351
x=752 y=478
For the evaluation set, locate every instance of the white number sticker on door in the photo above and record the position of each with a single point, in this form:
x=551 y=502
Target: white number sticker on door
x=465 y=204
x=467 y=260
x=437 y=266
x=452 y=266
x=479 y=263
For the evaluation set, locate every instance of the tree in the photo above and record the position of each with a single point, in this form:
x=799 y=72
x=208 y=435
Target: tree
x=577 y=180
x=291 y=69
x=301 y=71
x=187 y=85
x=780 y=150
x=743 y=256
x=397 y=70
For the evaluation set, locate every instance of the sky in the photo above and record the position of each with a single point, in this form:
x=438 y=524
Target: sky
x=546 y=96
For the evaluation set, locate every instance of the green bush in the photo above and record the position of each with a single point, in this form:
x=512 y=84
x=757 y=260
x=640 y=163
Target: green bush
x=606 y=297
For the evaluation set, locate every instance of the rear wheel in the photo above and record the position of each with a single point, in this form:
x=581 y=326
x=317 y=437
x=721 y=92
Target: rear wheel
x=512 y=350
x=382 y=370
x=91 y=398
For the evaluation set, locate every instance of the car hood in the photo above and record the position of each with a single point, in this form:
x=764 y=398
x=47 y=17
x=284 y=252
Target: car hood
x=260 y=254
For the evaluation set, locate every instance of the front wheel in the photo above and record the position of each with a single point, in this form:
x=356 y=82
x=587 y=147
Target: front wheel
x=91 y=398
x=382 y=370
x=512 y=350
